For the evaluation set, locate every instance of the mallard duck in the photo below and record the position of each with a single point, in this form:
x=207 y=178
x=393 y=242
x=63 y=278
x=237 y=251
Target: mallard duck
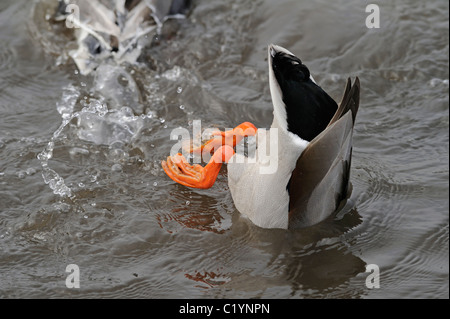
x=313 y=139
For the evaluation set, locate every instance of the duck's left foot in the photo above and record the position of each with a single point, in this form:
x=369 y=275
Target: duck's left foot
x=196 y=176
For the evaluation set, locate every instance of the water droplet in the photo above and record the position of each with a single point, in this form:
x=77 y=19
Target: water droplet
x=155 y=184
x=181 y=107
x=179 y=89
x=188 y=203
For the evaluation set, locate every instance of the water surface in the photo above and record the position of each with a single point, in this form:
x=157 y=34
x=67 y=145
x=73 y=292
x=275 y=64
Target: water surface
x=81 y=182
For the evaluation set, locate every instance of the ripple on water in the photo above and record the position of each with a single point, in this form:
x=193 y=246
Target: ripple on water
x=421 y=269
x=134 y=233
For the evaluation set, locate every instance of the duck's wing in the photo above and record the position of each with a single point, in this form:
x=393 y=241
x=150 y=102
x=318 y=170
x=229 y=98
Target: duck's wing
x=138 y=22
x=162 y=9
x=98 y=16
x=320 y=180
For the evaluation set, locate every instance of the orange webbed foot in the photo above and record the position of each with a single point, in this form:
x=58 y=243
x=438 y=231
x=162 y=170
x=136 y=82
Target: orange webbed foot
x=220 y=145
x=196 y=176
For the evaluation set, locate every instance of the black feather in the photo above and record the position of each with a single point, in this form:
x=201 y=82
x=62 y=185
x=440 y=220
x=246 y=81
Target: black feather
x=309 y=109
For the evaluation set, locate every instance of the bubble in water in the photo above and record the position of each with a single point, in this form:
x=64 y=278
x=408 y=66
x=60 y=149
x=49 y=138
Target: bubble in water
x=118 y=155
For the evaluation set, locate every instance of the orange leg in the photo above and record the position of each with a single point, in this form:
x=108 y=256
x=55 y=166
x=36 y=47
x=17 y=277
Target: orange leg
x=179 y=170
x=230 y=138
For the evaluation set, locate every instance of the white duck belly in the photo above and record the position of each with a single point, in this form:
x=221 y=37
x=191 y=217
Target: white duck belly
x=262 y=196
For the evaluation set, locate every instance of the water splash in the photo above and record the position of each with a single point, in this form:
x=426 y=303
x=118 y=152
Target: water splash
x=66 y=106
x=96 y=124
x=51 y=178
x=118 y=87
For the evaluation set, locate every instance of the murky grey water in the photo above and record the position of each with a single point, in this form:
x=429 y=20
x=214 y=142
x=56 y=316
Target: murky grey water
x=134 y=233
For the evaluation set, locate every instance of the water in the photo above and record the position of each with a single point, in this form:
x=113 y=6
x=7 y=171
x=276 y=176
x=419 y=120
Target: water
x=80 y=175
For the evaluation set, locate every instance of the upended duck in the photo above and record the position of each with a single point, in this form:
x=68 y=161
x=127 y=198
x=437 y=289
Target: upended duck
x=314 y=152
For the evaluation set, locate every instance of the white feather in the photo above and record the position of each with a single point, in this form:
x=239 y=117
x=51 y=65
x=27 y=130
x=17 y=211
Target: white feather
x=263 y=197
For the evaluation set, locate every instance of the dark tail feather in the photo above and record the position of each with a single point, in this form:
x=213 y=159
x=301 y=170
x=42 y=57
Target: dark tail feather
x=320 y=180
x=350 y=101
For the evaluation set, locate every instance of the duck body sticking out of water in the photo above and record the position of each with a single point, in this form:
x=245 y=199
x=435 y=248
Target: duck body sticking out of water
x=314 y=150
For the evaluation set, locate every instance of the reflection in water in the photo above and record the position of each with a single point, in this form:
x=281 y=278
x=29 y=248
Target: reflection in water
x=208 y=279
x=323 y=269
x=198 y=211
x=203 y=221
x=314 y=261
